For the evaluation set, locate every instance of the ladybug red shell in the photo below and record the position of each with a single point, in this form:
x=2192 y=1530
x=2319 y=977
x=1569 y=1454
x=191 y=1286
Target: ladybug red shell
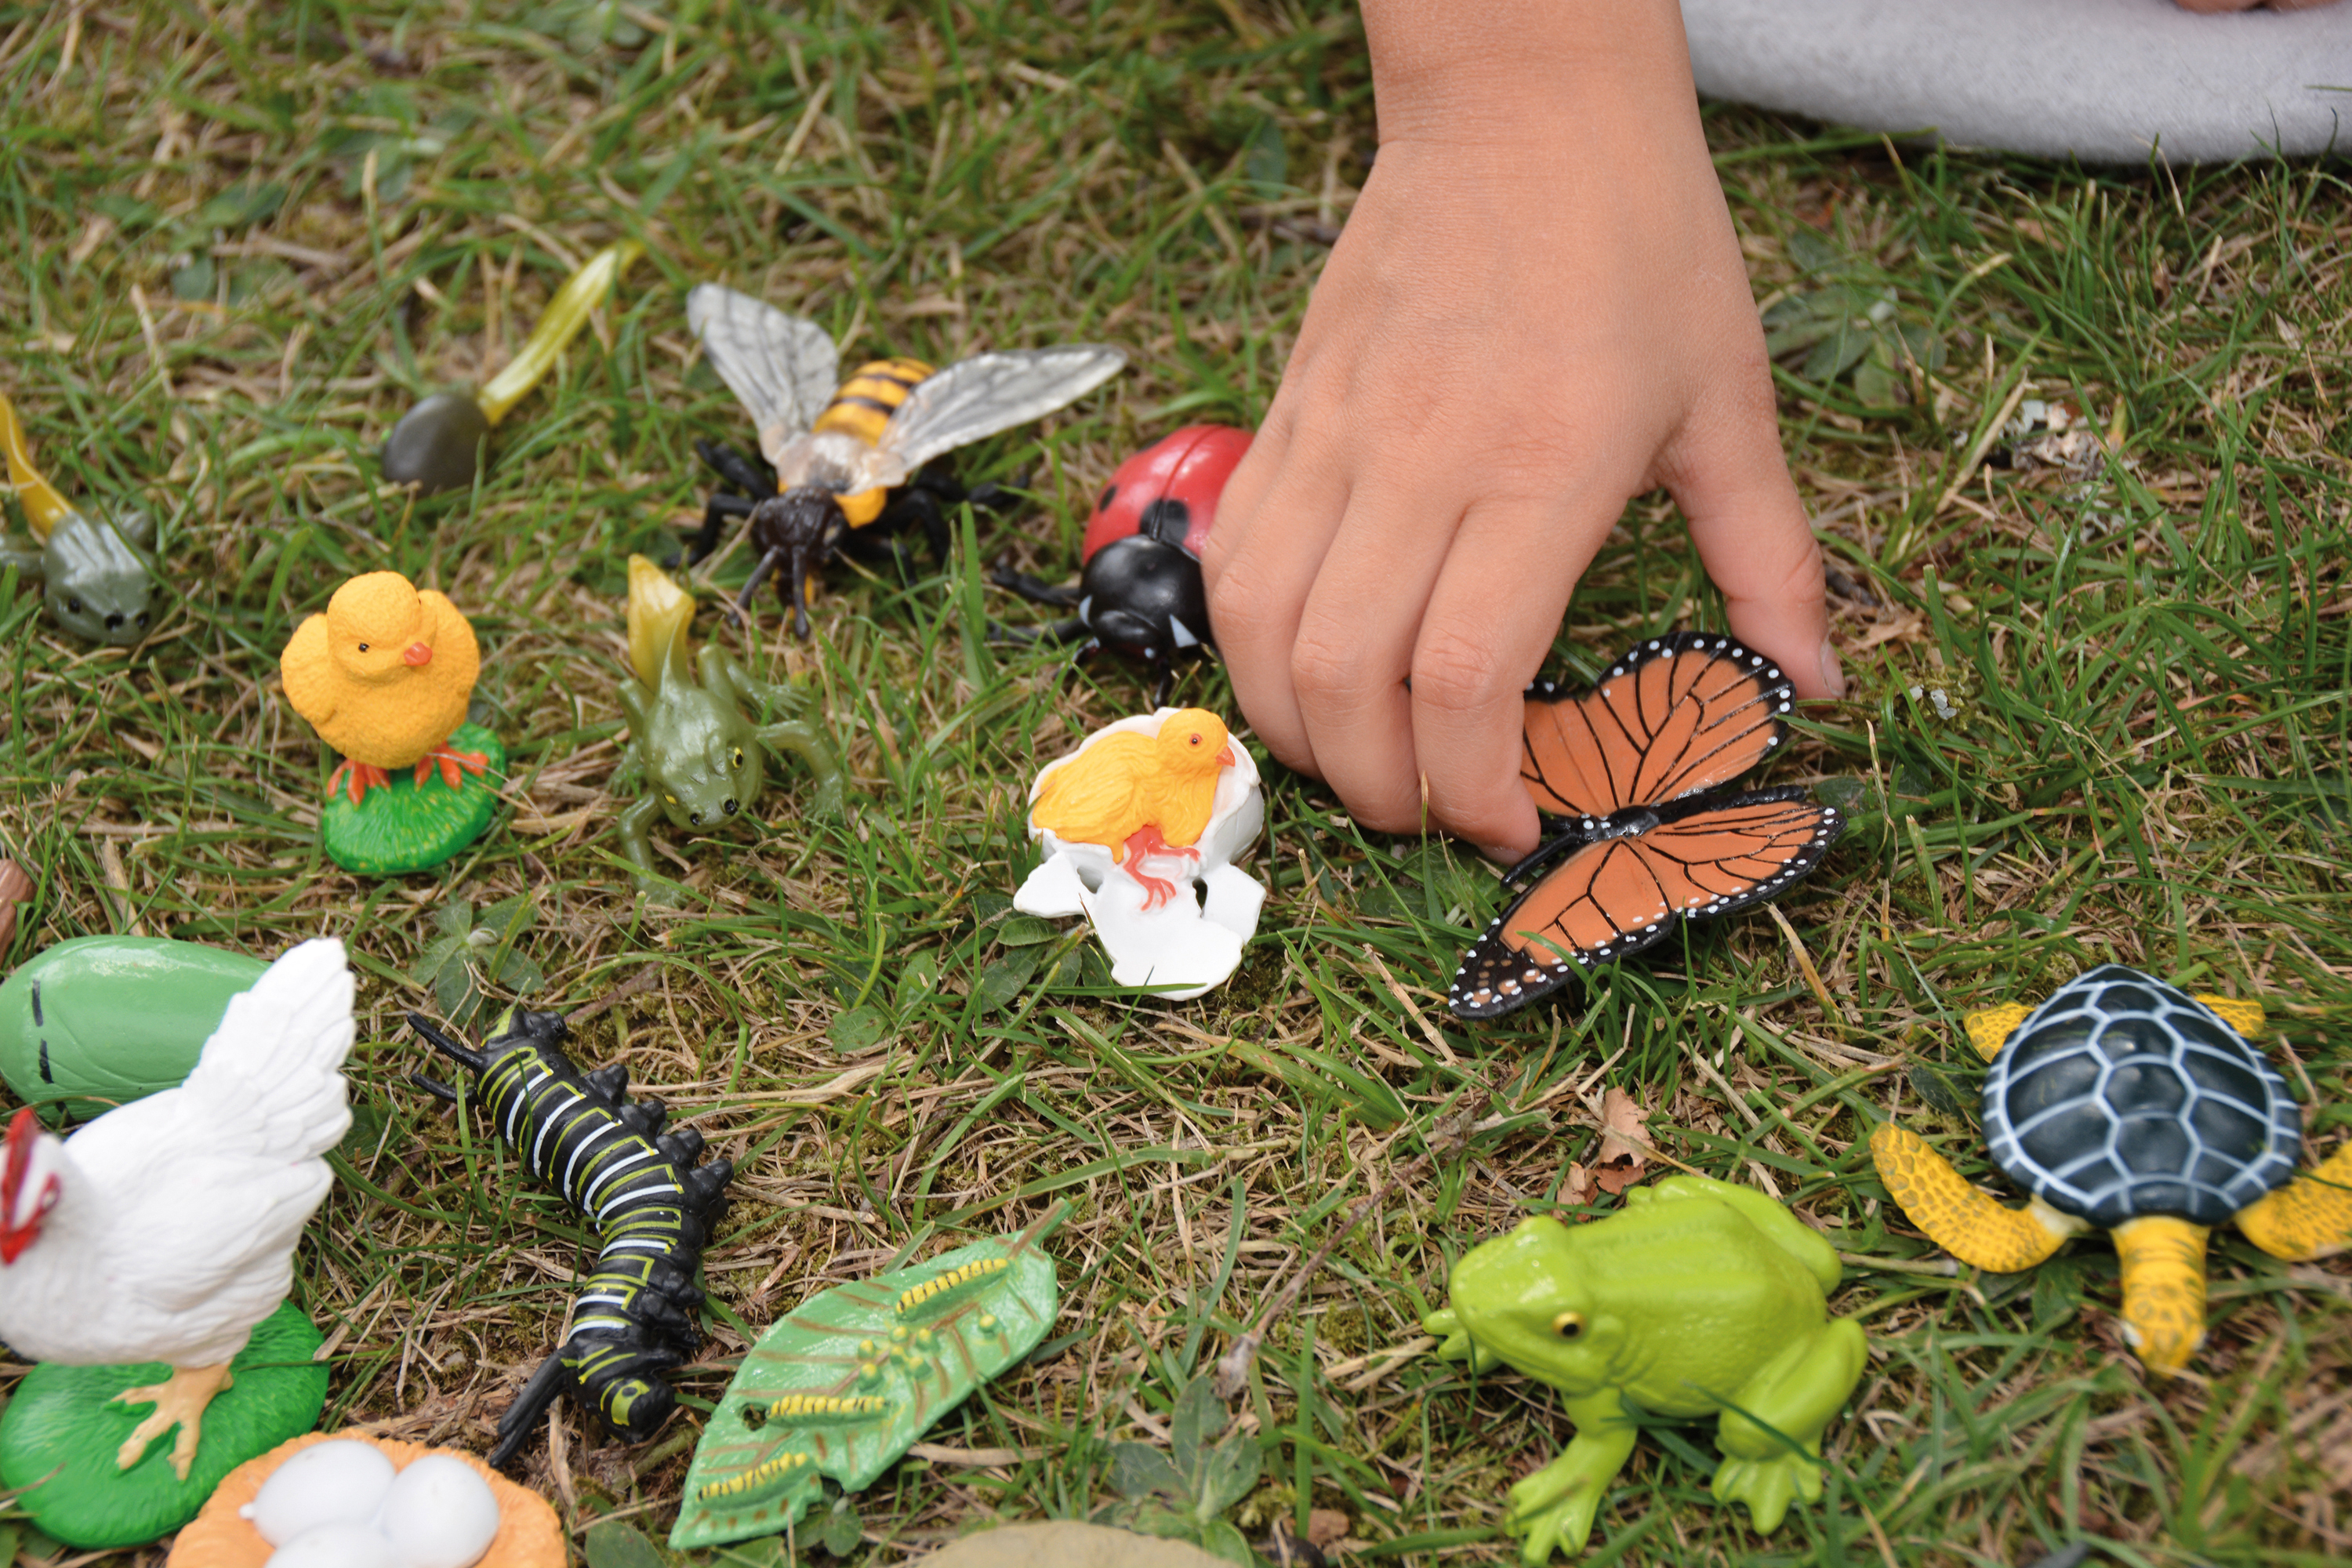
x=1139 y=591
x=1168 y=490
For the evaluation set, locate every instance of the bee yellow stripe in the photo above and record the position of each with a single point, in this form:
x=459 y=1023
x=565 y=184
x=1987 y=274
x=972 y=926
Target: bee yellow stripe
x=758 y=1479
x=932 y=1291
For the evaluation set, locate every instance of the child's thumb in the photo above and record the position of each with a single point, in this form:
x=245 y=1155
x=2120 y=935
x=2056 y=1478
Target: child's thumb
x=1756 y=543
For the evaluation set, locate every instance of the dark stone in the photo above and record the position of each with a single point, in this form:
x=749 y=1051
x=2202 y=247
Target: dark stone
x=439 y=445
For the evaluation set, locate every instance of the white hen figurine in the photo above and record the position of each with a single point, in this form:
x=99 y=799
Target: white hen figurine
x=165 y=1229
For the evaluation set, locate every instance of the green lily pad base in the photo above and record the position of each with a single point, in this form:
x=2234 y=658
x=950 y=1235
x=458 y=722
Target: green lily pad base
x=842 y=1385
x=407 y=826
x=63 y=1419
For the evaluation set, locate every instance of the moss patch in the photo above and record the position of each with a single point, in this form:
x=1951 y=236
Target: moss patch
x=64 y=1419
x=409 y=827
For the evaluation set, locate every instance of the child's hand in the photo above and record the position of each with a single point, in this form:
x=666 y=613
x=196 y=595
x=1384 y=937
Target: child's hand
x=1538 y=310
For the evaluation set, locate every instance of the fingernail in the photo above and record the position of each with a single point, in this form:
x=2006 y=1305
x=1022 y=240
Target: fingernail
x=1832 y=673
x=1501 y=857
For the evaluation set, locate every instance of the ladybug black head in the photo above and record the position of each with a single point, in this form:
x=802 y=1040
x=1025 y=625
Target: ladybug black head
x=1143 y=598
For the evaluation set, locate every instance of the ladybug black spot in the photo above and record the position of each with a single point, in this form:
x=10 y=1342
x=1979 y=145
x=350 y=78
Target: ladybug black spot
x=1110 y=494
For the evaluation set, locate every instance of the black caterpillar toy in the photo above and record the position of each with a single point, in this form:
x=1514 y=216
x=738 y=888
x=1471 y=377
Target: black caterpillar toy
x=637 y=1184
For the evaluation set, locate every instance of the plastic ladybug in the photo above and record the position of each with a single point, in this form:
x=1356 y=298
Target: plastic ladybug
x=1140 y=591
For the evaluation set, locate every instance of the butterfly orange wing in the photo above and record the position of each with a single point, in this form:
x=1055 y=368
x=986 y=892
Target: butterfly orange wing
x=1676 y=715
x=1615 y=895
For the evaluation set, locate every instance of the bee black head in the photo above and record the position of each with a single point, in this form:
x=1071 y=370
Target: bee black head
x=801 y=518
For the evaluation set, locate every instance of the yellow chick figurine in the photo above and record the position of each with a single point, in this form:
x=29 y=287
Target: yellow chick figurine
x=384 y=677
x=1139 y=794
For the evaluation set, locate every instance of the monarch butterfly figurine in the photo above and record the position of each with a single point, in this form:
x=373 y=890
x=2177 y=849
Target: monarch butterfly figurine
x=837 y=453
x=1633 y=777
x=638 y=1185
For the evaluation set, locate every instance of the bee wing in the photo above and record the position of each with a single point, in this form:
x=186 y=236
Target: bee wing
x=781 y=367
x=982 y=396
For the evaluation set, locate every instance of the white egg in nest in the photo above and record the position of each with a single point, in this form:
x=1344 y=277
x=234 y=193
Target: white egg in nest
x=342 y=1505
x=327 y=1483
x=337 y=1546
x=440 y=1513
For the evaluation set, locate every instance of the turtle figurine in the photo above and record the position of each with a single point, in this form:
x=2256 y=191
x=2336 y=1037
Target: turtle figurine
x=2125 y=1105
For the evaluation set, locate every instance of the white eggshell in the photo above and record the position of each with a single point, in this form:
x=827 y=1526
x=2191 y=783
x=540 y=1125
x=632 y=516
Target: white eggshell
x=337 y=1546
x=440 y=1513
x=326 y=1483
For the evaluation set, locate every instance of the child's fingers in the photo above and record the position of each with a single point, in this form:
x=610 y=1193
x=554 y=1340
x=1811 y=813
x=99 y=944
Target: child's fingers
x=1356 y=641
x=1274 y=525
x=1757 y=545
x=1491 y=620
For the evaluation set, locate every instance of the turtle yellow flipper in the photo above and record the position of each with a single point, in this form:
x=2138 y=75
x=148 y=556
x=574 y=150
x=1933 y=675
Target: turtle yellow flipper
x=2124 y=1105
x=1964 y=1222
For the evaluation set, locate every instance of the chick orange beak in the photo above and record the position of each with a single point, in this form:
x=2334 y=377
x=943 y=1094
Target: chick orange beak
x=418 y=653
x=1225 y=757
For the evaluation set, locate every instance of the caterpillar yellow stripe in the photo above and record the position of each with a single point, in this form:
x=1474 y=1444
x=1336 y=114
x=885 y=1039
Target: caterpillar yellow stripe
x=928 y=1293
x=812 y=1409
x=758 y=1478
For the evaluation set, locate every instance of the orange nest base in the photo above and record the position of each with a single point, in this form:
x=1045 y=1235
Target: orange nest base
x=530 y=1535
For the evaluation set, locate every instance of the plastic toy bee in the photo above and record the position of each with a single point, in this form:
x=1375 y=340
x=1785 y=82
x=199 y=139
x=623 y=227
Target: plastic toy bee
x=837 y=452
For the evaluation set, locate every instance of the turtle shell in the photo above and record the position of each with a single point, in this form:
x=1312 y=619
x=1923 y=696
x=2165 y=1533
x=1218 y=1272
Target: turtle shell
x=2122 y=1095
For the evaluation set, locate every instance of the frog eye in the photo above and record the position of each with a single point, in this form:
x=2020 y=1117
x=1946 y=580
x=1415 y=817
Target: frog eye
x=669 y=798
x=1569 y=1325
x=735 y=759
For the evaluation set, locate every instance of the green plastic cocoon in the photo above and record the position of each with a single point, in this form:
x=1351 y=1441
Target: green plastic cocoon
x=566 y=314
x=844 y=1385
x=60 y=1431
x=100 y=1021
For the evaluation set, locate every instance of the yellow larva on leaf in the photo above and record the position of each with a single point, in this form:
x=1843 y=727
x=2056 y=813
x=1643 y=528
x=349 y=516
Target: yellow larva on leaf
x=929 y=1292
x=758 y=1479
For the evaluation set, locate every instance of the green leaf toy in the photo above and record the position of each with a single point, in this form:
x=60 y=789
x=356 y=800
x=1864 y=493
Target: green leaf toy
x=100 y=1021
x=95 y=581
x=440 y=443
x=844 y=1385
x=704 y=762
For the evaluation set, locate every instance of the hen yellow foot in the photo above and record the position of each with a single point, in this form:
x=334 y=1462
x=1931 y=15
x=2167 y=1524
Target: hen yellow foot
x=181 y=1402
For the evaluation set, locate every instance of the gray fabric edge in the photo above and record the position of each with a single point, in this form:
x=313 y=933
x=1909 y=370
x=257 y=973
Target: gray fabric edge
x=2108 y=81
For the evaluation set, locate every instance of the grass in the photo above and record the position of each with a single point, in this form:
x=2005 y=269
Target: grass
x=247 y=237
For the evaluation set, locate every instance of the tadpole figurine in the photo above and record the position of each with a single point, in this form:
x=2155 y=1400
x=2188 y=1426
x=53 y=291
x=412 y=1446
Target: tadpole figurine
x=704 y=762
x=836 y=454
x=651 y=1207
x=95 y=583
x=1140 y=591
x=385 y=676
x=2125 y=1105
x=164 y=1232
x=440 y=443
x=1697 y=1301
x=1170 y=788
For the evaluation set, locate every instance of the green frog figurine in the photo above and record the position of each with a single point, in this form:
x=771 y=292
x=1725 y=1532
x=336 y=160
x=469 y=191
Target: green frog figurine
x=703 y=760
x=1699 y=1298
